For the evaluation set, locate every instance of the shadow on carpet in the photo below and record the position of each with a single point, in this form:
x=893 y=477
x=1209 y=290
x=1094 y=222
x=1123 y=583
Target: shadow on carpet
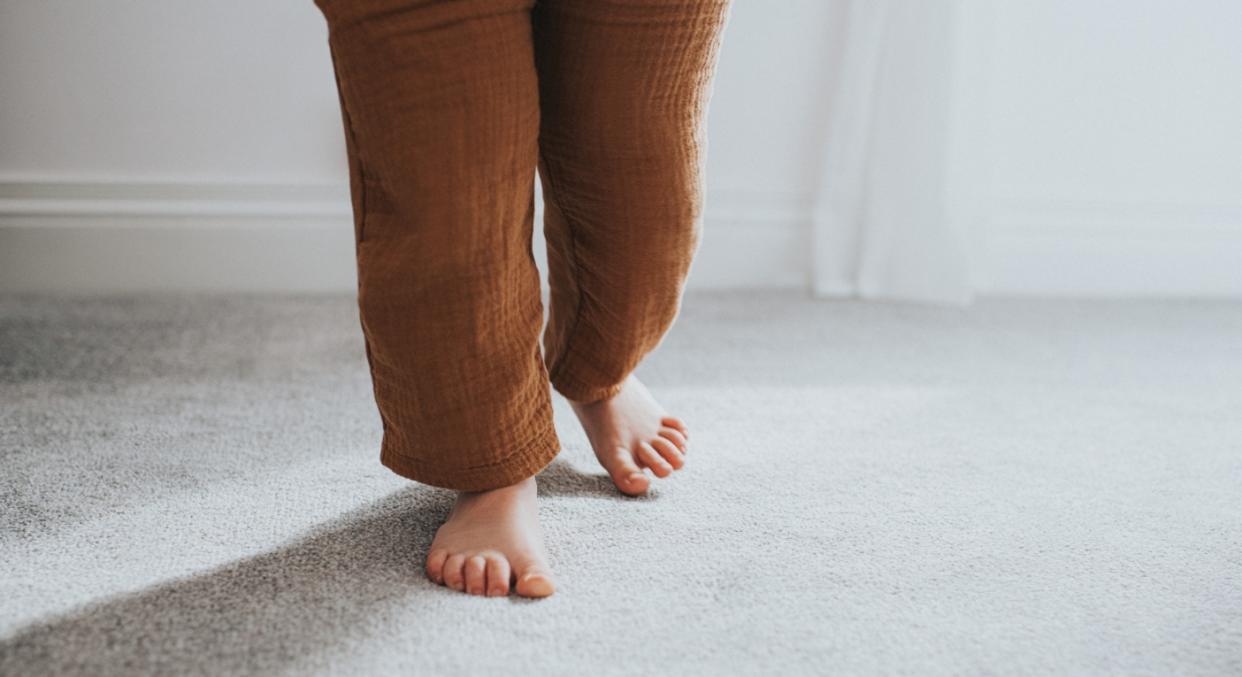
x=325 y=590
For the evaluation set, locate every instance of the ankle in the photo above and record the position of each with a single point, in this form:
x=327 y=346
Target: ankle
x=505 y=493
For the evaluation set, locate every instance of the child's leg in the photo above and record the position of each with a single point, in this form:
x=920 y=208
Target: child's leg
x=442 y=112
x=623 y=90
x=440 y=102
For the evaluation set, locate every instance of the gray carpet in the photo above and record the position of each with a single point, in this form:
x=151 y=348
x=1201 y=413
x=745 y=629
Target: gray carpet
x=190 y=485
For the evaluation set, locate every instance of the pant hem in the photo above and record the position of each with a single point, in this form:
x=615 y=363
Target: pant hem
x=580 y=391
x=527 y=461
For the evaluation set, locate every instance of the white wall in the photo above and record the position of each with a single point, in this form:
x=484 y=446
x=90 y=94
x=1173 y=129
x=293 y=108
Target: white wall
x=1108 y=145
x=176 y=144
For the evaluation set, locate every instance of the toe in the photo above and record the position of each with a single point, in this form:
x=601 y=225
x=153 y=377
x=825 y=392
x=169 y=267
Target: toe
x=674 y=422
x=669 y=452
x=674 y=435
x=435 y=565
x=652 y=459
x=534 y=579
x=626 y=474
x=476 y=575
x=454 y=577
x=497 y=576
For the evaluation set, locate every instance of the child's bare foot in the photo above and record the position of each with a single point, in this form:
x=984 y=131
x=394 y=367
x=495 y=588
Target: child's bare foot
x=490 y=539
x=631 y=431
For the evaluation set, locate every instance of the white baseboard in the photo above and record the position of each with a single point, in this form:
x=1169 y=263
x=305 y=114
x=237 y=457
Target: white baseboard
x=107 y=237
x=1109 y=249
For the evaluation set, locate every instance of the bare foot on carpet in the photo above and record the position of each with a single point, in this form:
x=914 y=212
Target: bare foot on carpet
x=490 y=540
x=631 y=431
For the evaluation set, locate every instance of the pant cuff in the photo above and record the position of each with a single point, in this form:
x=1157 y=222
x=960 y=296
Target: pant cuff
x=526 y=461
x=576 y=389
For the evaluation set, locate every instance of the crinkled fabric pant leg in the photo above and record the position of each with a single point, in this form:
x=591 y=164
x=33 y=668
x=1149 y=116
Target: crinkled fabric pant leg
x=449 y=106
x=623 y=86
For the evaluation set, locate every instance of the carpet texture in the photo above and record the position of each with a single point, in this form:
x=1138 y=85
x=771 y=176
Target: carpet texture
x=191 y=485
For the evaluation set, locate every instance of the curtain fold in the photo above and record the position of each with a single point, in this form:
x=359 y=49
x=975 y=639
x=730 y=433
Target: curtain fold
x=882 y=227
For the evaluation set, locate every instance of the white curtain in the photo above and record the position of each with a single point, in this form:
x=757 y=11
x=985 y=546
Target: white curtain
x=882 y=227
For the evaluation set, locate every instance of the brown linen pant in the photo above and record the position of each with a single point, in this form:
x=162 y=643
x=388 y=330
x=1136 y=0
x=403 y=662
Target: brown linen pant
x=449 y=106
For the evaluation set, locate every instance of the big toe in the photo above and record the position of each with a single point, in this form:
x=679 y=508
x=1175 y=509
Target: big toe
x=435 y=564
x=626 y=474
